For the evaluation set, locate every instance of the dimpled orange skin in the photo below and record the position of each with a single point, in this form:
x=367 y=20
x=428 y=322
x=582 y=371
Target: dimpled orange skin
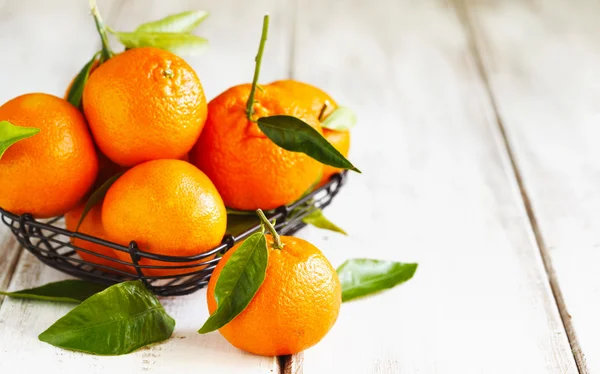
x=295 y=307
x=168 y=207
x=48 y=174
x=92 y=225
x=314 y=98
x=249 y=170
x=144 y=104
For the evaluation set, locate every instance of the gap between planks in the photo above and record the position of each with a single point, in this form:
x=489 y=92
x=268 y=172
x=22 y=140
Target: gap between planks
x=465 y=19
x=292 y=364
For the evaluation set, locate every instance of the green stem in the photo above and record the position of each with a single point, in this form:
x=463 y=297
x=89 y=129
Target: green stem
x=106 y=50
x=258 y=60
x=277 y=244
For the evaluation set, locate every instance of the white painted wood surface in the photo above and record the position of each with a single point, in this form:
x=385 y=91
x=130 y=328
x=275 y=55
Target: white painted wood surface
x=543 y=63
x=437 y=188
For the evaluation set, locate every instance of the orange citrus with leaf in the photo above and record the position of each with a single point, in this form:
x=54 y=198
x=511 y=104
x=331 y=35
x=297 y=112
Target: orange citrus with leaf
x=168 y=207
x=48 y=174
x=92 y=226
x=321 y=105
x=249 y=170
x=144 y=104
x=294 y=308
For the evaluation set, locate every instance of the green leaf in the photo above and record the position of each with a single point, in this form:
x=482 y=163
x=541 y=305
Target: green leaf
x=178 y=43
x=360 y=277
x=96 y=197
x=10 y=134
x=76 y=91
x=340 y=119
x=293 y=134
x=116 y=321
x=70 y=291
x=317 y=219
x=184 y=22
x=239 y=281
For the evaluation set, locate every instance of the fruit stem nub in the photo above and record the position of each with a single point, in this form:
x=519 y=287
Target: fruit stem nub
x=323 y=109
x=106 y=50
x=258 y=60
x=277 y=244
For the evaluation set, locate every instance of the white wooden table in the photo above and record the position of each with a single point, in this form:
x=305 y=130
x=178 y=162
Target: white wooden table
x=479 y=140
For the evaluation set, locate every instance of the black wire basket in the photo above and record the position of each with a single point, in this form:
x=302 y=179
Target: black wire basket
x=51 y=243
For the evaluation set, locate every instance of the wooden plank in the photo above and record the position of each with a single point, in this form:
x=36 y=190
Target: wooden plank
x=234 y=29
x=9 y=255
x=437 y=189
x=542 y=62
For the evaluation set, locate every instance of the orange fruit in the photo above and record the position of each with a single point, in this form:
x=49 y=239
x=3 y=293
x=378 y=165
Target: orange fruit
x=168 y=207
x=92 y=225
x=48 y=174
x=294 y=308
x=249 y=170
x=341 y=141
x=314 y=99
x=144 y=104
x=310 y=97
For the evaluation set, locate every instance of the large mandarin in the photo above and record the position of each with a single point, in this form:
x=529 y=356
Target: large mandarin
x=249 y=170
x=168 y=207
x=144 y=104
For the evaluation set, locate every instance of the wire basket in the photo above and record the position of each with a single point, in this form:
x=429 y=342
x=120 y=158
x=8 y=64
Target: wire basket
x=50 y=242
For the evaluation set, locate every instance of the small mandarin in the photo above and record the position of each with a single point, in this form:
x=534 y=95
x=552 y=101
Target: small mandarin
x=315 y=99
x=48 y=174
x=92 y=226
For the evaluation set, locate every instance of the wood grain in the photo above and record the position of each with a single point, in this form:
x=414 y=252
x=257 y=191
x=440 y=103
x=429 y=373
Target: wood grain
x=542 y=62
x=437 y=189
x=9 y=255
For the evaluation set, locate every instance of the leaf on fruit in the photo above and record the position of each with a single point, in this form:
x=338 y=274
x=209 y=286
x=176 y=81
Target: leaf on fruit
x=76 y=91
x=10 y=134
x=70 y=291
x=184 y=22
x=116 y=321
x=341 y=119
x=318 y=219
x=295 y=135
x=239 y=280
x=360 y=277
x=96 y=197
x=178 y=43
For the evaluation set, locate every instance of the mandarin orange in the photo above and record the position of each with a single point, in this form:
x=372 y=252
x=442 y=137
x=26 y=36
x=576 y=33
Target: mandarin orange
x=294 y=308
x=144 y=104
x=321 y=105
x=248 y=169
x=168 y=207
x=48 y=174
x=92 y=225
